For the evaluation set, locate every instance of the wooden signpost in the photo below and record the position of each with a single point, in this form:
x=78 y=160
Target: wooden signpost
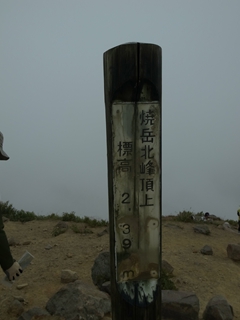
x=132 y=81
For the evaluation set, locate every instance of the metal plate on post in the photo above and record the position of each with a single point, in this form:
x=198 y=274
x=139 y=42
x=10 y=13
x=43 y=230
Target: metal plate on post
x=136 y=183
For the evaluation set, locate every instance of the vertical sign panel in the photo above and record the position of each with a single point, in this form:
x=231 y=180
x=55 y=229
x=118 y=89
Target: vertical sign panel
x=136 y=183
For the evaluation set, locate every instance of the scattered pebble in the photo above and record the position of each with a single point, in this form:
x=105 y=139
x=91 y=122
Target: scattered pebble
x=21 y=286
x=25 y=243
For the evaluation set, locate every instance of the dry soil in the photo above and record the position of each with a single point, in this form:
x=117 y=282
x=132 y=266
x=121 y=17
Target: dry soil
x=181 y=247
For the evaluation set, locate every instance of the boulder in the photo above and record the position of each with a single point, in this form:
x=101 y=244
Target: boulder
x=79 y=300
x=226 y=226
x=201 y=229
x=101 y=269
x=233 y=252
x=207 y=250
x=218 y=309
x=179 y=305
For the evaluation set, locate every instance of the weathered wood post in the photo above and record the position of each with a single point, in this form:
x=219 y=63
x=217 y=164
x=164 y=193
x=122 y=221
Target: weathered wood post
x=132 y=81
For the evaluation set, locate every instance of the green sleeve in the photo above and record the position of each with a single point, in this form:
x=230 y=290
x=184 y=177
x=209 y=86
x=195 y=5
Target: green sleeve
x=6 y=259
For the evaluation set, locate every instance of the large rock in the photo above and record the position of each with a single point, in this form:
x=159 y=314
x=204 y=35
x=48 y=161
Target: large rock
x=227 y=226
x=179 y=305
x=201 y=229
x=233 y=252
x=101 y=269
x=79 y=300
x=218 y=309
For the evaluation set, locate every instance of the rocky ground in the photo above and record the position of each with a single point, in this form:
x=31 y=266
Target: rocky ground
x=206 y=275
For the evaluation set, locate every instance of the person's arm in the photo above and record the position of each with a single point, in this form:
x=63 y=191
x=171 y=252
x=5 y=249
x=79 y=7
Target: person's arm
x=8 y=264
x=6 y=259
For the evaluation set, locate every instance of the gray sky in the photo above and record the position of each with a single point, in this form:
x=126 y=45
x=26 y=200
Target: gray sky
x=52 y=101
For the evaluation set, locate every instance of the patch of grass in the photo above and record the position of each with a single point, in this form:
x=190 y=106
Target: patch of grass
x=77 y=229
x=52 y=216
x=7 y=210
x=91 y=222
x=24 y=216
x=70 y=217
x=189 y=216
x=166 y=283
x=184 y=216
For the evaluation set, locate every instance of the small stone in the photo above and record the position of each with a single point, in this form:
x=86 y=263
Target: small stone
x=25 y=243
x=106 y=287
x=100 y=234
x=35 y=313
x=21 y=286
x=207 y=250
x=69 y=255
x=68 y=276
x=48 y=247
x=19 y=298
x=13 y=242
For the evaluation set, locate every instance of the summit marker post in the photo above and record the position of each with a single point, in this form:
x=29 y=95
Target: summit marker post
x=132 y=85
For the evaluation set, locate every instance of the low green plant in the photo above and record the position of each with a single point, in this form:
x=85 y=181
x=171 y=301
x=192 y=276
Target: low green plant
x=91 y=222
x=7 y=210
x=184 y=216
x=166 y=282
x=57 y=231
x=77 y=229
x=70 y=217
x=189 y=216
x=24 y=216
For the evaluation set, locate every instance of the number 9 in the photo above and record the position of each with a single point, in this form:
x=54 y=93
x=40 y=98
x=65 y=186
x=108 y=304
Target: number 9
x=126 y=244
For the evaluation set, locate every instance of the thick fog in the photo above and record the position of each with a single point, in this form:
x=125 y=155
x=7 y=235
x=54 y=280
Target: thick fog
x=52 y=110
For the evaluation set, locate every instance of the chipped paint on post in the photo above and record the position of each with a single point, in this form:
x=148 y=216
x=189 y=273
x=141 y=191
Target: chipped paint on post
x=136 y=183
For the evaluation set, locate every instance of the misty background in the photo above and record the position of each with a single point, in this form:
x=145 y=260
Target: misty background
x=52 y=111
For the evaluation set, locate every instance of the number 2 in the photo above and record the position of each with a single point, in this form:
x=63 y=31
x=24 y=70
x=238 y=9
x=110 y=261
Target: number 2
x=126 y=197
